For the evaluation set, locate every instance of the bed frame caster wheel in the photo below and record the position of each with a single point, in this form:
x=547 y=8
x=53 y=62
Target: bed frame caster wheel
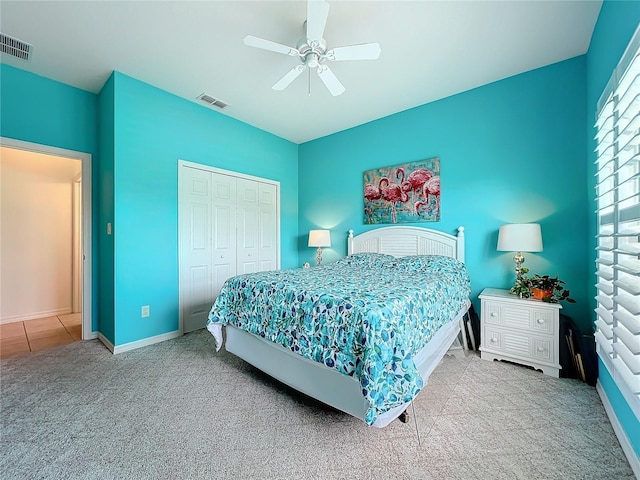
x=404 y=417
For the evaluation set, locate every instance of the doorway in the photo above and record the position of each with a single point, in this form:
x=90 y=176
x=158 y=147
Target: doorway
x=78 y=249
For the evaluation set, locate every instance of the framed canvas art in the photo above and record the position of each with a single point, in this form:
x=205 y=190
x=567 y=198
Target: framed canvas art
x=405 y=193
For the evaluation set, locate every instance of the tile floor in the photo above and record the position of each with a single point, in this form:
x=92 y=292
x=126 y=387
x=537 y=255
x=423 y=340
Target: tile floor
x=39 y=334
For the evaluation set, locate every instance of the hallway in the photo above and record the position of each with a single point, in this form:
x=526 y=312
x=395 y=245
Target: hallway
x=39 y=334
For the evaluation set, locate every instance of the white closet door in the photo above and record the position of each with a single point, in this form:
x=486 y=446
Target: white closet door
x=195 y=261
x=268 y=225
x=223 y=231
x=228 y=226
x=248 y=256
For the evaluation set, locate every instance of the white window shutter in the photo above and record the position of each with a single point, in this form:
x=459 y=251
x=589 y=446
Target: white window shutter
x=618 y=211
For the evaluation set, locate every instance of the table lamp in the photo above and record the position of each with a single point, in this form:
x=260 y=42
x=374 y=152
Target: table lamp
x=520 y=237
x=319 y=238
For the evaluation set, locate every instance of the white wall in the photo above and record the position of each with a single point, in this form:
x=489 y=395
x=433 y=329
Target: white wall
x=36 y=234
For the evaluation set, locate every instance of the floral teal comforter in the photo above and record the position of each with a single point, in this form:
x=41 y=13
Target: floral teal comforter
x=365 y=315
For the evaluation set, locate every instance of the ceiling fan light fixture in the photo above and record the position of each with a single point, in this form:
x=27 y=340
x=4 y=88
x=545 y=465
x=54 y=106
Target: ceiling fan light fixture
x=312 y=60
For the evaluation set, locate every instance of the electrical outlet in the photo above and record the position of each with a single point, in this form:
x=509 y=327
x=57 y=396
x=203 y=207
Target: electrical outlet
x=144 y=311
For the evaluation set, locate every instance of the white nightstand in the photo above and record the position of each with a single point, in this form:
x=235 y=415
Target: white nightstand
x=520 y=330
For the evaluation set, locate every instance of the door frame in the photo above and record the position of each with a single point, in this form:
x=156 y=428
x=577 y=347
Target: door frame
x=85 y=158
x=76 y=256
x=186 y=164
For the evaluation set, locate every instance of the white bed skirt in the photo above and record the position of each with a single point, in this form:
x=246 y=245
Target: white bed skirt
x=323 y=383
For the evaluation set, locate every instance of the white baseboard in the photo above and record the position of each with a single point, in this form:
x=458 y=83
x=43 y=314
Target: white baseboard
x=138 y=343
x=36 y=315
x=627 y=448
x=91 y=336
x=105 y=341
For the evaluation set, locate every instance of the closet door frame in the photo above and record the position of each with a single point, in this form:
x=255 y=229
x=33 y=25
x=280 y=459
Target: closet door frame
x=182 y=164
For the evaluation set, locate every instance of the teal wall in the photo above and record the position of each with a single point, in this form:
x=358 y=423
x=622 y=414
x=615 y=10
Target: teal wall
x=105 y=187
x=512 y=151
x=39 y=110
x=616 y=24
x=153 y=130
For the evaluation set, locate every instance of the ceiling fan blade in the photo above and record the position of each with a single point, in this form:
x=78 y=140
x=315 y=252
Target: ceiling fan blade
x=364 y=51
x=252 y=41
x=317 y=13
x=289 y=77
x=330 y=80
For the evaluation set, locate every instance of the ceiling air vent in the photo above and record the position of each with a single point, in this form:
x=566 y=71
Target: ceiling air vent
x=212 y=101
x=15 y=48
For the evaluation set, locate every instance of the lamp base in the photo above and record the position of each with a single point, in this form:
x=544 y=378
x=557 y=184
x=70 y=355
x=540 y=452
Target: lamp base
x=519 y=260
x=519 y=288
x=319 y=256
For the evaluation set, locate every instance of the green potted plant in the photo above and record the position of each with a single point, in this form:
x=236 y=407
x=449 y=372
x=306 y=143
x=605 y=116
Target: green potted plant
x=549 y=289
x=541 y=287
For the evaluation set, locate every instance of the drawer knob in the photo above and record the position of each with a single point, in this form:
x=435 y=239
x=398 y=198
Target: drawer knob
x=541 y=321
x=494 y=340
x=494 y=314
x=541 y=349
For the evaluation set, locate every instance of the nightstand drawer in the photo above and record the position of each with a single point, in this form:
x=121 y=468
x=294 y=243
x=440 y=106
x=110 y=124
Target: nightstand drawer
x=506 y=342
x=519 y=318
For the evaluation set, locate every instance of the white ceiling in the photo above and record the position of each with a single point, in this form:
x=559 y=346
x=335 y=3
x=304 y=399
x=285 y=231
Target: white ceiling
x=430 y=50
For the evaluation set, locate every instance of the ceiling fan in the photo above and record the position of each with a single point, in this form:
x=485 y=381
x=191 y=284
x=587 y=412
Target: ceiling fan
x=312 y=50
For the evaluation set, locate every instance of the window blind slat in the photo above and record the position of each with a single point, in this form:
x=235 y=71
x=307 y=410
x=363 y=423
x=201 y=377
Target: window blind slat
x=624 y=179
x=604 y=343
x=628 y=267
x=604 y=275
x=628 y=286
x=606 y=288
x=629 y=322
x=631 y=361
x=623 y=373
x=605 y=323
x=605 y=301
x=629 y=302
x=626 y=94
x=631 y=343
x=605 y=261
x=628 y=250
x=605 y=316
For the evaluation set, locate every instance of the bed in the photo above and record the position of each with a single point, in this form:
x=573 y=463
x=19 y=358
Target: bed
x=361 y=334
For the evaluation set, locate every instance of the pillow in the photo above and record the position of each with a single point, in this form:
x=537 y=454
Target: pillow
x=367 y=259
x=414 y=263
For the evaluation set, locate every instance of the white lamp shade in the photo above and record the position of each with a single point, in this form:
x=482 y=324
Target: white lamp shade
x=319 y=238
x=520 y=237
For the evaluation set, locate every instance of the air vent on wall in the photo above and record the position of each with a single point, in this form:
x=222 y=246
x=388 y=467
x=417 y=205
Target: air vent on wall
x=15 y=48
x=212 y=101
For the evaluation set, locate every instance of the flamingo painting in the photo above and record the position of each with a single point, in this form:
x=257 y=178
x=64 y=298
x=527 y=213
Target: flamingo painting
x=406 y=193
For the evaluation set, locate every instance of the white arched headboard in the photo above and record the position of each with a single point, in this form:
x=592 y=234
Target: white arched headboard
x=404 y=241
